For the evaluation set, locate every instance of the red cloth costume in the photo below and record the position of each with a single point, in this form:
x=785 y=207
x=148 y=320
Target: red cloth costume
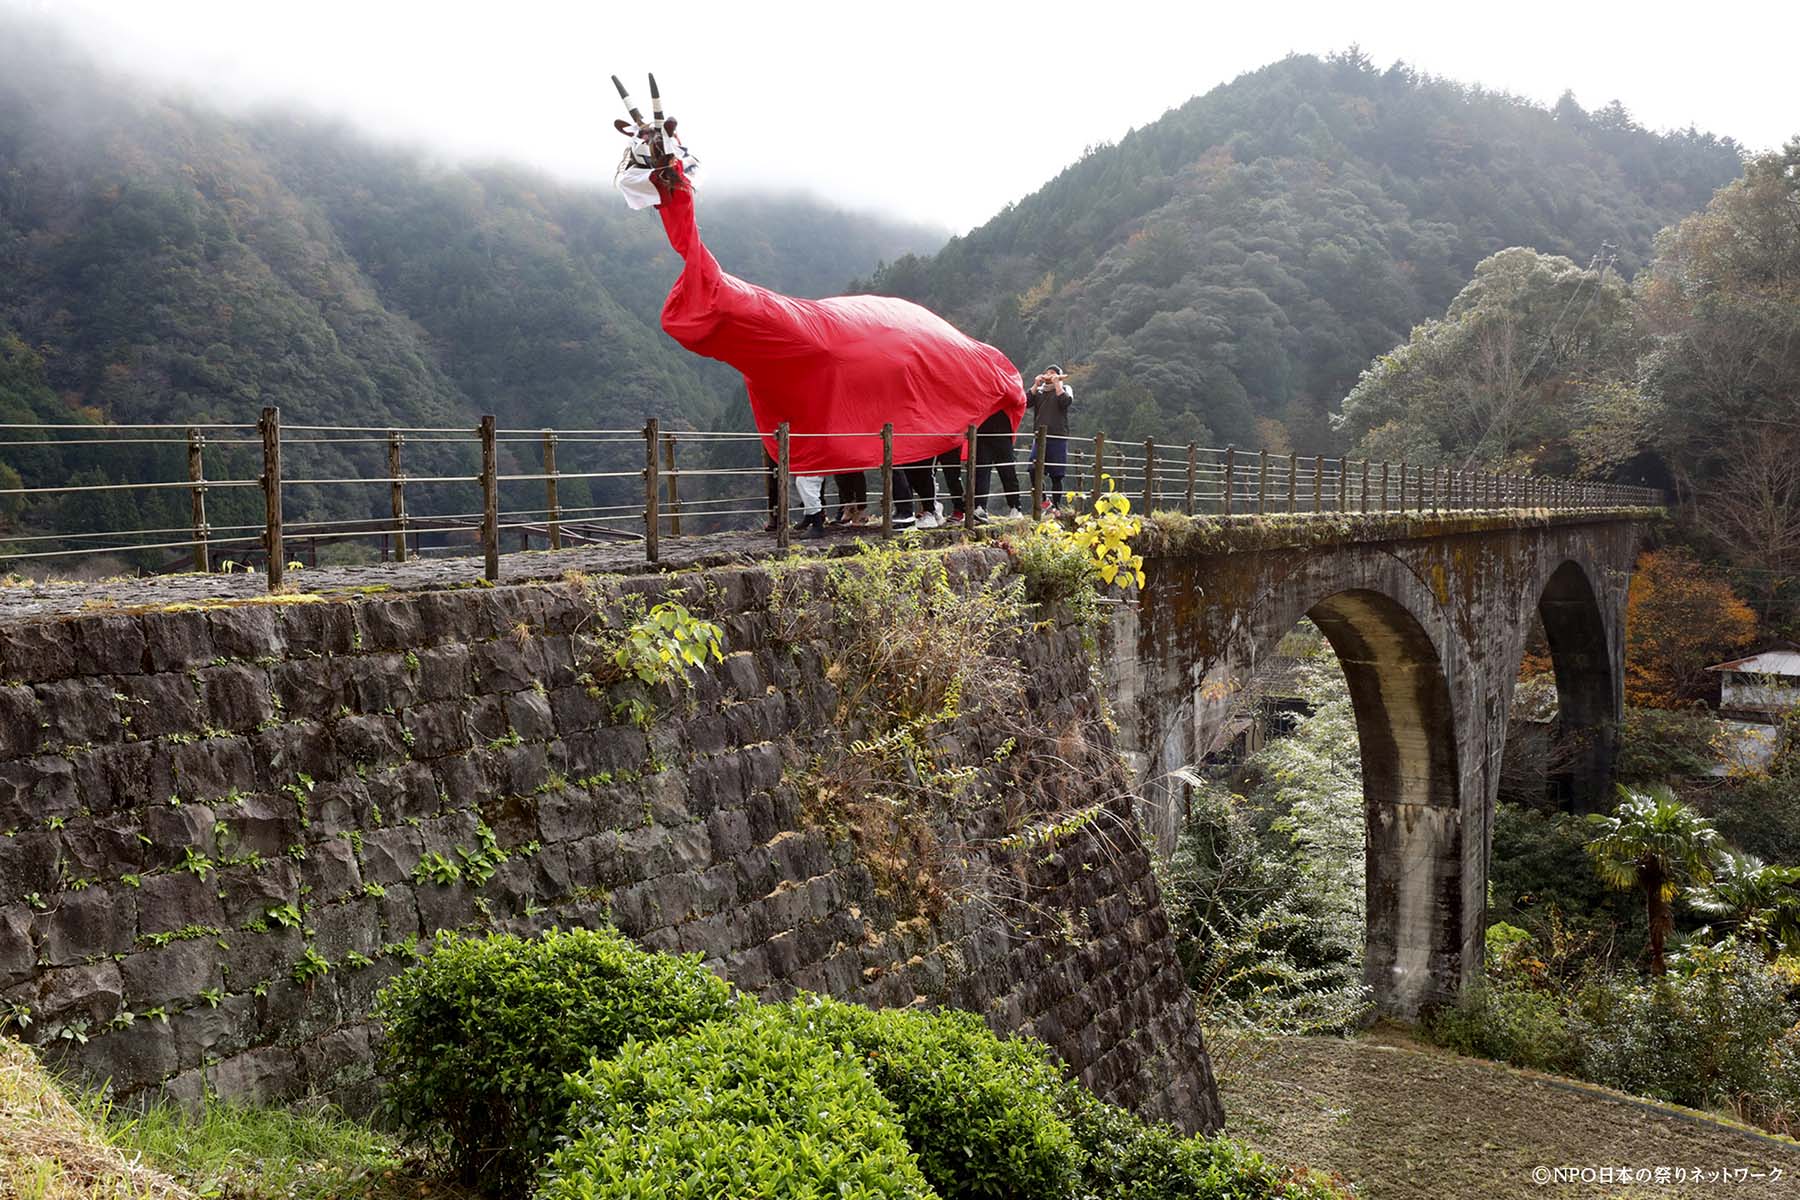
x=847 y=364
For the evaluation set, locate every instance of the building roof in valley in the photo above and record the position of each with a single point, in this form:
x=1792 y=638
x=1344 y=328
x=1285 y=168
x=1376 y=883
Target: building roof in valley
x=1784 y=661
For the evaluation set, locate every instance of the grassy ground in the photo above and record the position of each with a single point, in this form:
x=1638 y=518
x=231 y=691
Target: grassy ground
x=53 y=1149
x=1406 y=1121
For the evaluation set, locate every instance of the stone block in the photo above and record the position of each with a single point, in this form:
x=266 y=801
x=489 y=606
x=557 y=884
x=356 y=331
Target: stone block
x=524 y=769
x=292 y=749
x=75 y=712
x=251 y=892
x=576 y=710
x=529 y=715
x=353 y=926
x=451 y=907
x=131 y=1059
x=449 y=617
x=487 y=719
x=265 y=1075
x=36 y=651
x=71 y=997
x=314 y=688
x=331 y=869
x=91 y=923
x=382 y=682
x=108 y=644
x=29 y=864
x=249 y=632
x=238 y=697
x=443 y=673
x=265 y=823
x=389 y=855
x=318 y=629
x=393 y=623
x=253 y=958
x=18 y=956
x=338 y=806
x=438 y=729
x=207 y=1033
x=171 y=975
x=369 y=740
x=175 y=829
x=33 y=790
x=176 y=641
x=20 y=721
x=213 y=767
x=178 y=900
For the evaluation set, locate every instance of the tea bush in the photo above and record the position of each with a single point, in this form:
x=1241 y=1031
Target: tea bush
x=1124 y=1157
x=754 y=1106
x=979 y=1110
x=480 y=1034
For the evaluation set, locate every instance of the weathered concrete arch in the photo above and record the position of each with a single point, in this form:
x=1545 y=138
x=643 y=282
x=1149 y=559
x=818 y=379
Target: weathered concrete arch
x=1585 y=650
x=1429 y=617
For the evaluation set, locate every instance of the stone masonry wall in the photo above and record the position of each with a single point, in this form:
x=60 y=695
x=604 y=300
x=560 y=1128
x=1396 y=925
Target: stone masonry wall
x=223 y=829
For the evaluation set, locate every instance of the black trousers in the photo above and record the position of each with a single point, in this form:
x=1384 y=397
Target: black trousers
x=913 y=482
x=852 y=487
x=950 y=463
x=994 y=449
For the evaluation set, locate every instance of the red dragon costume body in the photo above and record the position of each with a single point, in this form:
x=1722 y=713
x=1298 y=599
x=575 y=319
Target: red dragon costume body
x=842 y=365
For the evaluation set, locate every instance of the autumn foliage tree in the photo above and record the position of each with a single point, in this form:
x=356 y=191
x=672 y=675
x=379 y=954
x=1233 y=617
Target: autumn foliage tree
x=1680 y=619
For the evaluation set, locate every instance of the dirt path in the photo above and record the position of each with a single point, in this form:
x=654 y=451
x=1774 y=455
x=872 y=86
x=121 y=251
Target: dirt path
x=1404 y=1121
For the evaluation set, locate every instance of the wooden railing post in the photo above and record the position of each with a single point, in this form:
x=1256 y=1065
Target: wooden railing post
x=674 y=485
x=1343 y=503
x=968 y=496
x=1099 y=456
x=197 y=499
x=1318 y=483
x=1149 y=475
x=887 y=480
x=1230 y=479
x=397 y=493
x=273 y=545
x=1262 y=481
x=490 y=500
x=1383 y=506
x=1192 y=471
x=782 y=479
x=652 y=490
x=1293 y=479
x=1039 y=443
x=1363 y=502
x=552 y=504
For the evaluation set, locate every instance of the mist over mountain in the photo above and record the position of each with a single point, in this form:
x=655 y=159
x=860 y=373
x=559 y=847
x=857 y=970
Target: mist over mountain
x=1225 y=273
x=171 y=263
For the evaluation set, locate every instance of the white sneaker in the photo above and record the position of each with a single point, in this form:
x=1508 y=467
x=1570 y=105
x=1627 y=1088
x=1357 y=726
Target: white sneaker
x=1013 y=514
x=930 y=520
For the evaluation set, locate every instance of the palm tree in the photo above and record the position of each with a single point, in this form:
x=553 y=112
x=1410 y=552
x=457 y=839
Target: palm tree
x=1758 y=901
x=1658 y=845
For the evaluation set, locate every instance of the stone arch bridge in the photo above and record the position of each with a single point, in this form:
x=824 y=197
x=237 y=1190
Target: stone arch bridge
x=1429 y=617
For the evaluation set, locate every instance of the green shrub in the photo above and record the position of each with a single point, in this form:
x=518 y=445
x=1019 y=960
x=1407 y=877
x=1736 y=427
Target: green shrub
x=1512 y=1024
x=754 y=1107
x=1660 y=744
x=480 y=1035
x=1125 y=1157
x=1721 y=1029
x=979 y=1110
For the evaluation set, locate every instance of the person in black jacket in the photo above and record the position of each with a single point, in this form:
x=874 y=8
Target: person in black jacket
x=1049 y=398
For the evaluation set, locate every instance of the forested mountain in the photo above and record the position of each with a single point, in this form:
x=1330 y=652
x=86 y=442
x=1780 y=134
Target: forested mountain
x=1243 y=258
x=163 y=262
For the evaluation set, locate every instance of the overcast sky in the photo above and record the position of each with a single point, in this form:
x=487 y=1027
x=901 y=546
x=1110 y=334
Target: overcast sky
x=938 y=112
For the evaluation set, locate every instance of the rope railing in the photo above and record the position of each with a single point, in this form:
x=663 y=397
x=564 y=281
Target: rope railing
x=613 y=484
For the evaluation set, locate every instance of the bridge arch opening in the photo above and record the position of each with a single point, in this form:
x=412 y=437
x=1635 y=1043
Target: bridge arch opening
x=1406 y=733
x=1585 y=737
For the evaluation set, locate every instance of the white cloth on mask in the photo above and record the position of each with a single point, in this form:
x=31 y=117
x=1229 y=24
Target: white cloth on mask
x=634 y=182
